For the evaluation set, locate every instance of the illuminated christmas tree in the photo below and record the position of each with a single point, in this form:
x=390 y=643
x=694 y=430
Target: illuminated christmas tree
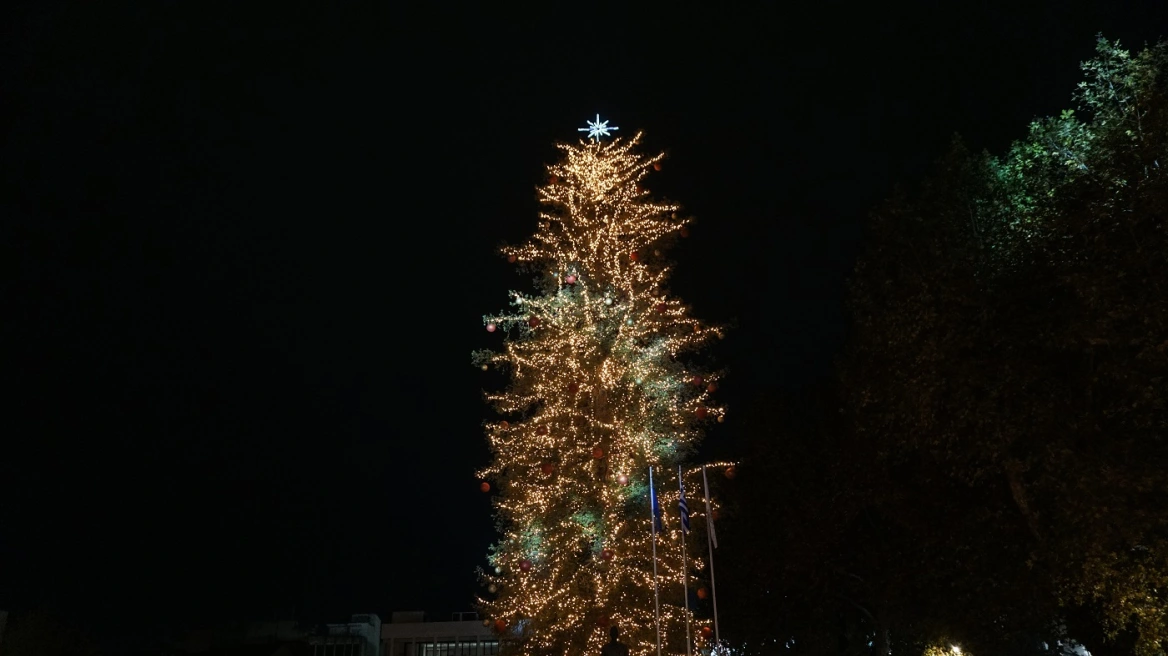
x=597 y=395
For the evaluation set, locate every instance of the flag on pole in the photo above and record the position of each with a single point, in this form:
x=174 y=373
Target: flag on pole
x=709 y=509
x=684 y=564
x=655 y=510
x=712 y=539
x=658 y=525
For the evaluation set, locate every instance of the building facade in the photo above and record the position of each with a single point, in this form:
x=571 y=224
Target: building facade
x=360 y=636
x=406 y=634
x=409 y=634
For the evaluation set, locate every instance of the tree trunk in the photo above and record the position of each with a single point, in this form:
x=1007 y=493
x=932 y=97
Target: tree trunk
x=1014 y=476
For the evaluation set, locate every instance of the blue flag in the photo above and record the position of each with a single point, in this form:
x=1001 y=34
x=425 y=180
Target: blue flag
x=682 y=506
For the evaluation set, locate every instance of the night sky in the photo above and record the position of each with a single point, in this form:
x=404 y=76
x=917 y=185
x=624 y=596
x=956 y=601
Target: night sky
x=246 y=252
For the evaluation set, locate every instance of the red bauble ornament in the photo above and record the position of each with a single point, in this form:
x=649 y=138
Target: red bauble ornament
x=491 y=327
x=525 y=565
x=547 y=468
x=597 y=452
x=541 y=430
x=731 y=472
x=504 y=424
x=533 y=322
x=606 y=554
x=571 y=280
x=706 y=631
x=634 y=256
x=683 y=231
x=573 y=388
x=485 y=487
x=500 y=626
x=701 y=412
x=623 y=479
x=697 y=380
x=512 y=259
x=661 y=307
x=712 y=387
x=656 y=166
x=702 y=594
x=554 y=179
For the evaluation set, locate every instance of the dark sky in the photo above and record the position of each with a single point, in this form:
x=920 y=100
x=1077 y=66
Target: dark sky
x=246 y=252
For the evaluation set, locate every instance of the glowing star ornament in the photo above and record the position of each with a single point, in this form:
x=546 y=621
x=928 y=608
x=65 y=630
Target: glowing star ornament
x=597 y=129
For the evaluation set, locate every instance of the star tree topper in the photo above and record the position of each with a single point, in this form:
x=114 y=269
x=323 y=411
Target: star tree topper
x=596 y=129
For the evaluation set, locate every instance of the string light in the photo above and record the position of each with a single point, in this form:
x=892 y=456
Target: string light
x=597 y=394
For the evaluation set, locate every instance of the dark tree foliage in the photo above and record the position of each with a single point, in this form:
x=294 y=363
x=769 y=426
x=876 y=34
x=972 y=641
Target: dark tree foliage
x=1010 y=349
x=41 y=633
x=991 y=469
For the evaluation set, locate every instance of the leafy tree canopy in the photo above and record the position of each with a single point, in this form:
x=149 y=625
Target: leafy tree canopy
x=993 y=471
x=1011 y=337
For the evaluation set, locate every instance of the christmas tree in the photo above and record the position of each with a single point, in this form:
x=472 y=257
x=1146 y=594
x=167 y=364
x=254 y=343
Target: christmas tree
x=597 y=395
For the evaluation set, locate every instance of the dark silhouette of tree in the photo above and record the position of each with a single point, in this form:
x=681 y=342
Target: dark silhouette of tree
x=991 y=466
x=41 y=633
x=1010 y=351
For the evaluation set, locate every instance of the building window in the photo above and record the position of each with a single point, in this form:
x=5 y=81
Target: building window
x=451 y=648
x=339 y=649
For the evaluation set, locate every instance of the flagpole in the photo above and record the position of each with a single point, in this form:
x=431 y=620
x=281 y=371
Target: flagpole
x=711 y=545
x=656 y=581
x=684 y=570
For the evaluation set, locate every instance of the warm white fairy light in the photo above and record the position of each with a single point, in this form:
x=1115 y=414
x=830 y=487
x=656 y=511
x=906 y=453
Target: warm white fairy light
x=597 y=394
